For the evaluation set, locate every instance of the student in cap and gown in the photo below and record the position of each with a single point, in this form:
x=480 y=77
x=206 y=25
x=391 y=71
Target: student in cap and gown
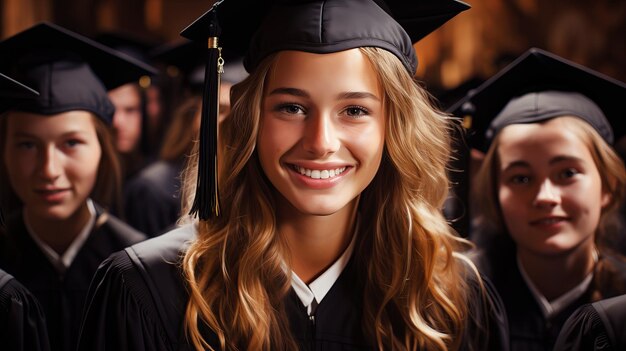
x=136 y=133
x=59 y=171
x=159 y=184
x=595 y=326
x=551 y=185
x=326 y=232
x=22 y=321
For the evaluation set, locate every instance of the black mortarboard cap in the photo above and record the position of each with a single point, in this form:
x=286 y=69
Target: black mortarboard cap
x=188 y=60
x=132 y=45
x=256 y=29
x=538 y=86
x=13 y=92
x=70 y=71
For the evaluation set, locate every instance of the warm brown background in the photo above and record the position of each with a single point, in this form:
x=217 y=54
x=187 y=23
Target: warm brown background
x=474 y=44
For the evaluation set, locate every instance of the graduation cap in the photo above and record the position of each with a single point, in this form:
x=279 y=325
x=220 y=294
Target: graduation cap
x=538 y=86
x=187 y=59
x=256 y=29
x=132 y=45
x=70 y=71
x=13 y=92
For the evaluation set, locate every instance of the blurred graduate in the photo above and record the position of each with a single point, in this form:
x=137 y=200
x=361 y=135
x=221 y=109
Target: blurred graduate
x=59 y=172
x=550 y=188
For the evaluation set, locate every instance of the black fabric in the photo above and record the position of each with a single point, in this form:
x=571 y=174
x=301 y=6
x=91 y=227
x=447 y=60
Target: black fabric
x=70 y=72
x=152 y=198
x=528 y=328
x=538 y=71
x=138 y=299
x=12 y=92
x=22 y=320
x=259 y=28
x=599 y=326
x=62 y=297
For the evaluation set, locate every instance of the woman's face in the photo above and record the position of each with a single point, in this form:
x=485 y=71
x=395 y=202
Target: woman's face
x=322 y=129
x=52 y=161
x=549 y=188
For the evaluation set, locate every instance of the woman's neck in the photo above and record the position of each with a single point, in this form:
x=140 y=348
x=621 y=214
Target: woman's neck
x=554 y=275
x=59 y=233
x=316 y=242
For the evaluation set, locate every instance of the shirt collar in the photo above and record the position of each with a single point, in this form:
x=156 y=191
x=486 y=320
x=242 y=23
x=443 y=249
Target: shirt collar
x=62 y=262
x=311 y=295
x=552 y=308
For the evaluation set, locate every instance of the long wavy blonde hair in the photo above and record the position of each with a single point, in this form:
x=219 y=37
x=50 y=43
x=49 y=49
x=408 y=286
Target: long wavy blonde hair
x=415 y=289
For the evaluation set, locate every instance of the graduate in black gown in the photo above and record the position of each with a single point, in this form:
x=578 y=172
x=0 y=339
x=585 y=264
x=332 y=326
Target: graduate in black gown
x=327 y=231
x=22 y=321
x=59 y=171
x=159 y=184
x=595 y=326
x=552 y=185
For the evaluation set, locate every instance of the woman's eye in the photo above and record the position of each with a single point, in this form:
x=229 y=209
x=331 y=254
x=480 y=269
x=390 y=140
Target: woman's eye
x=569 y=173
x=356 y=111
x=520 y=179
x=26 y=145
x=290 y=108
x=72 y=142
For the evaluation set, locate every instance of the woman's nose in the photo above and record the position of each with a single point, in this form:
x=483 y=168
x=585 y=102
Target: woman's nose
x=547 y=194
x=321 y=136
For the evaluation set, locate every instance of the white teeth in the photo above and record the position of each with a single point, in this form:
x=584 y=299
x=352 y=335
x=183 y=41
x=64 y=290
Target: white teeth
x=320 y=174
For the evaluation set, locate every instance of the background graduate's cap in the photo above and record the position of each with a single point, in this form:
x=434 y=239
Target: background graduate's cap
x=132 y=45
x=538 y=86
x=70 y=71
x=256 y=29
x=186 y=59
x=13 y=92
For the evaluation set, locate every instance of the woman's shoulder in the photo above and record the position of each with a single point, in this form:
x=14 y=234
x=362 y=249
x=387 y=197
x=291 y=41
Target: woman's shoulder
x=142 y=284
x=117 y=229
x=487 y=327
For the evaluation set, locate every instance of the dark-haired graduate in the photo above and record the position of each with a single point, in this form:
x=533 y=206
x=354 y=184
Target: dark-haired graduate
x=326 y=232
x=59 y=172
x=551 y=186
x=22 y=321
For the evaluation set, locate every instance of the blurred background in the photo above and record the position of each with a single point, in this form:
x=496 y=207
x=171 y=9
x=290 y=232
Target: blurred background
x=468 y=49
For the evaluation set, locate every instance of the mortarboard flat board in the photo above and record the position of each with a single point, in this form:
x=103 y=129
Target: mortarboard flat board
x=12 y=92
x=187 y=58
x=556 y=80
x=70 y=71
x=256 y=29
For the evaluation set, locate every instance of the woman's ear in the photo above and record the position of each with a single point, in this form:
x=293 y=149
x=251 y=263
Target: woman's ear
x=606 y=199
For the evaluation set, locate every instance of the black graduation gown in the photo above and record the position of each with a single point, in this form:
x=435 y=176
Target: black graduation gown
x=62 y=297
x=22 y=321
x=138 y=299
x=152 y=201
x=528 y=328
x=599 y=326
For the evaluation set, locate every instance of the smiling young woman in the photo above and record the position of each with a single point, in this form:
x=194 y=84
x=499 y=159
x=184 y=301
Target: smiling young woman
x=551 y=186
x=58 y=168
x=329 y=232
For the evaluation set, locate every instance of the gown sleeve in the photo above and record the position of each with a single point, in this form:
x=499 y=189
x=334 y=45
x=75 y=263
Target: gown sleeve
x=118 y=313
x=22 y=321
x=487 y=327
x=137 y=298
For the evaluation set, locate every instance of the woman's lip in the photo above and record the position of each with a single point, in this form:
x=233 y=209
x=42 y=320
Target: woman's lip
x=52 y=195
x=548 y=221
x=316 y=183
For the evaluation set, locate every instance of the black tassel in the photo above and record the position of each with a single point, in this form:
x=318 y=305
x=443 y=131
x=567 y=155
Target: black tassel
x=206 y=203
x=1 y=219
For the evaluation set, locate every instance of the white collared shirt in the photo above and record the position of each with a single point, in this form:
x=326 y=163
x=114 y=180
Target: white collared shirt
x=552 y=308
x=63 y=262
x=311 y=295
